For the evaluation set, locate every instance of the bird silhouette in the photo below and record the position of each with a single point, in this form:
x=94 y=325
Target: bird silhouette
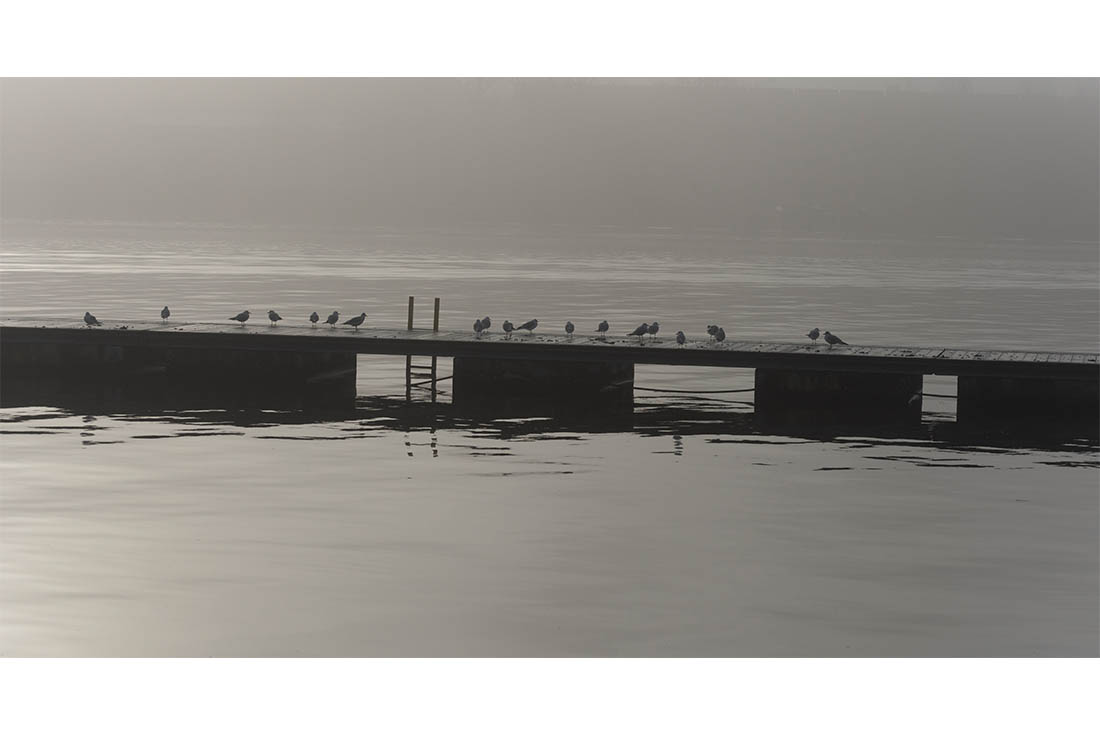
x=569 y=328
x=712 y=329
x=640 y=332
x=478 y=326
x=332 y=319
x=242 y=317
x=356 y=321
x=90 y=320
x=274 y=317
x=602 y=329
x=653 y=328
x=508 y=328
x=485 y=323
x=720 y=335
x=165 y=313
x=680 y=338
x=529 y=325
x=814 y=334
x=313 y=319
x=832 y=339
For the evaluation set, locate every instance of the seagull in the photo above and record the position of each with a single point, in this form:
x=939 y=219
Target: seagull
x=530 y=325
x=90 y=320
x=653 y=330
x=357 y=321
x=602 y=329
x=485 y=323
x=332 y=319
x=720 y=335
x=274 y=317
x=832 y=339
x=640 y=332
x=680 y=338
x=314 y=318
x=814 y=334
x=242 y=317
x=165 y=313
x=569 y=328
x=712 y=329
x=478 y=326
x=508 y=329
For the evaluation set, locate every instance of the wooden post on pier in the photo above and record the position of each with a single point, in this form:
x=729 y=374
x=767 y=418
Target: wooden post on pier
x=408 y=357
x=435 y=328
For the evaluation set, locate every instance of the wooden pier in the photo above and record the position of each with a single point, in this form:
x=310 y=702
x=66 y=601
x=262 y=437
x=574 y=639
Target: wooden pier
x=879 y=382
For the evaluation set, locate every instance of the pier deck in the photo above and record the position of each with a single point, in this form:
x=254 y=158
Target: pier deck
x=548 y=346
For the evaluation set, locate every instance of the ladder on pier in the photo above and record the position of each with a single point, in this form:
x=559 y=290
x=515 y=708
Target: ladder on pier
x=422 y=375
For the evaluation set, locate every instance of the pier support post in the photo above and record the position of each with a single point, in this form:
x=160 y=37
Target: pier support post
x=984 y=401
x=838 y=397
x=495 y=381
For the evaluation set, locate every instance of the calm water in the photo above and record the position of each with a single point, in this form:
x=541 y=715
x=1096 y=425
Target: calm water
x=377 y=529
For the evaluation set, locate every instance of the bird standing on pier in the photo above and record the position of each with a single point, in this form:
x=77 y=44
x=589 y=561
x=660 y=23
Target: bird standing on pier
x=508 y=328
x=712 y=329
x=242 y=317
x=529 y=325
x=814 y=334
x=680 y=338
x=485 y=323
x=832 y=339
x=90 y=320
x=274 y=317
x=602 y=329
x=569 y=328
x=356 y=321
x=653 y=328
x=332 y=319
x=478 y=326
x=640 y=332
x=164 y=314
x=313 y=319
x=720 y=335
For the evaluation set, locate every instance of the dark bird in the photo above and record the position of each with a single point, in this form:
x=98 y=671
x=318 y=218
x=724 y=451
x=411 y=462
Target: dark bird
x=680 y=338
x=274 y=317
x=485 y=323
x=165 y=313
x=602 y=329
x=569 y=328
x=242 y=317
x=332 y=319
x=356 y=321
x=653 y=329
x=712 y=329
x=90 y=320
x=314 y=318
x=720 y=335
x=529 y=325
x=832 y=339
x=508 y=329
x=478 y=326
x=814 y=334
x=640 y=332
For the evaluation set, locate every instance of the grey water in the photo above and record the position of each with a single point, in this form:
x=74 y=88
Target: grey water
x=382 y=529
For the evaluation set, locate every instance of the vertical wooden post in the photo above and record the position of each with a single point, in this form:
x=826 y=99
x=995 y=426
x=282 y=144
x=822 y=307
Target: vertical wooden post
x=435 y=327
x=408 y=357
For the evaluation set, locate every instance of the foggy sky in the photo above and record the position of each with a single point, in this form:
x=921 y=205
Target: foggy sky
x=1014 y=158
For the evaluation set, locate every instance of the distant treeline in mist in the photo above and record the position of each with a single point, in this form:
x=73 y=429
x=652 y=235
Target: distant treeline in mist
x=1017 y=158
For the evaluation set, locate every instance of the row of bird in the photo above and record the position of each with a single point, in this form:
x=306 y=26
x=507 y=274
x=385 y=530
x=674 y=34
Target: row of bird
x=482 y=326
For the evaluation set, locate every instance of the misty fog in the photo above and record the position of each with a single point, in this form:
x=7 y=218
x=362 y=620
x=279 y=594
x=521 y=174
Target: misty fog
x=998 y=157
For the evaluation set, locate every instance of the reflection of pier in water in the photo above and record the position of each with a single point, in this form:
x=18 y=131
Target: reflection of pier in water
x=519 y=420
